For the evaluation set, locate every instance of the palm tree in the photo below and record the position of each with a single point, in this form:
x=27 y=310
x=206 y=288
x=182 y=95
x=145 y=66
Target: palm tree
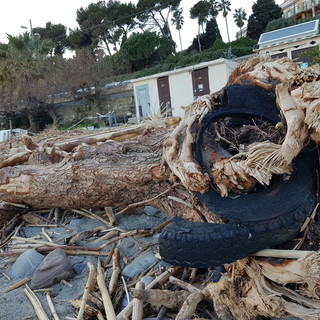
x=224 y=6
x=200 y=11
x=240 y=16
x=214 y=8
x=178 y=21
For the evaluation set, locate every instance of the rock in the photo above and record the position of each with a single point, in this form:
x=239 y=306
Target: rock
x=125 y=300
x=146 y=280
x=139 y=264
x=150 y=211
x=78 y=268
x=76 y=224
x=26 y=264
x=54 y=268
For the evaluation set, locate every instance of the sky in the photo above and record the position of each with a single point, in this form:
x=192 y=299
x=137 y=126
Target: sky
x=17 y=13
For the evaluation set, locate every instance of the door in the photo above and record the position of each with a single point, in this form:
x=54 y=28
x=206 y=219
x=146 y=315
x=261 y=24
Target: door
x=164 y=96
x=143 y=100
x=200 y=81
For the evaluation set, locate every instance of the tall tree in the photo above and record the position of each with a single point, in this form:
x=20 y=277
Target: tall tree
x=22 y=77
x=224 y=7
x=103 y=25
x=178 y=21
x=143 y=50
x=57 y=34
x=240 y=16
x=263 y=11
x=214 y=8
x=94 y=27
x=123 y=16
x=200 y=11
x=156 y=14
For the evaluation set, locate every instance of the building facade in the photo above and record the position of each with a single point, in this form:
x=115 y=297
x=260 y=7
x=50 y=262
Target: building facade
x=168 y=92
x=295 y=42
x=300 y=9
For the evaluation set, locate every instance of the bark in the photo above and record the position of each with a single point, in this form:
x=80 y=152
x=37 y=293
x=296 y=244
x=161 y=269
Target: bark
x=103 y=174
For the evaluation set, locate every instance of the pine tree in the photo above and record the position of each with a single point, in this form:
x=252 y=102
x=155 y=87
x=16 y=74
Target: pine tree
x=263 y=11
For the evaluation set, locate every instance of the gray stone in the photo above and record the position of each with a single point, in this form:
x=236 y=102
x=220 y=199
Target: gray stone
x=139 y=264
x=146 y=280
x=79 y=268
x=26 y=264
x=54 y=268
x=76 y=224
x=150 y=211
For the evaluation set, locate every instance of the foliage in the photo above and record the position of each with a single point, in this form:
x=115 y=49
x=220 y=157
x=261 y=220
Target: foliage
x=240 y=16
x=156 y=13
x=200 y=11
x=218 y=45
x=279 y=24
x=224 y=7
x=178 y=21
x=315 y=54
x=208 y=38
x=263 y=11
x=143 y=50
x=103 y=25
x=56 y=34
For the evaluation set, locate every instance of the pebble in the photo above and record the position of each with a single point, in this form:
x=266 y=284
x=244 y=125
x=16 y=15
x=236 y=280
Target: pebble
x=150 y=211
x=76 y=224
x=146 y=280
x=79 y=268
x=139 y=265
x=55 y=267
x=26 y=264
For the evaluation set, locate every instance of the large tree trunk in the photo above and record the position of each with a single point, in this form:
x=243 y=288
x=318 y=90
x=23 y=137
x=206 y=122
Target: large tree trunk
x=106 y=174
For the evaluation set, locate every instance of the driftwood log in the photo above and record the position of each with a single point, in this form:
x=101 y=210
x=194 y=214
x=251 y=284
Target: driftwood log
x=152 y=164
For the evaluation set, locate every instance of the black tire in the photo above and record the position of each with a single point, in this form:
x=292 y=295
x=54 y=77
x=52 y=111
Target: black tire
x=204 y=245
x=258 y=220
x=242 y=103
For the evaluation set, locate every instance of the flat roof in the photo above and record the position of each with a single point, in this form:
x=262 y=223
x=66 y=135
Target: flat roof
x=289 y=34
x=227 y=62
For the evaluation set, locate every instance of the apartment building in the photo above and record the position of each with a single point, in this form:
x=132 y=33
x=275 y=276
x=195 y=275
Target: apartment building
x=300 y=9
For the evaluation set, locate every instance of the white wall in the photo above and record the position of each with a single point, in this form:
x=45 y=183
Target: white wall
x=181 y=92
x=180 y=84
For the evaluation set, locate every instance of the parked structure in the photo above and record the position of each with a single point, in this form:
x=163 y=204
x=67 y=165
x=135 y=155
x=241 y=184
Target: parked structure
x=293 y=42
x=169 y=92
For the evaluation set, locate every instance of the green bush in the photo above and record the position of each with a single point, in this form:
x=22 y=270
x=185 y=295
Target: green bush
x=218 y=45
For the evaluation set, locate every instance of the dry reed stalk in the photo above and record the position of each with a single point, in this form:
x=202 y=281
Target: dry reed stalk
x=107 y=303
x=137 y=309
x=109 y=213
x=91 y=215
x=88 y=288
x=115 y=270
x=36 y=304
x=17 y=285
x=51 y=306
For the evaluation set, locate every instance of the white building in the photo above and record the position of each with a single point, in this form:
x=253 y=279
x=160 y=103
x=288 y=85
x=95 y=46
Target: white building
x=293 y=42
x=168 y=92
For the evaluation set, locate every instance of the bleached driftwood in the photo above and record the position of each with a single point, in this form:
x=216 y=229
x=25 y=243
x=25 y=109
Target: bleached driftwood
x=256 y=287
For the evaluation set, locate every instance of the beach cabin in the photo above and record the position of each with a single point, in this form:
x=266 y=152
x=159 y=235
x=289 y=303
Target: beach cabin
x=168 y=92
